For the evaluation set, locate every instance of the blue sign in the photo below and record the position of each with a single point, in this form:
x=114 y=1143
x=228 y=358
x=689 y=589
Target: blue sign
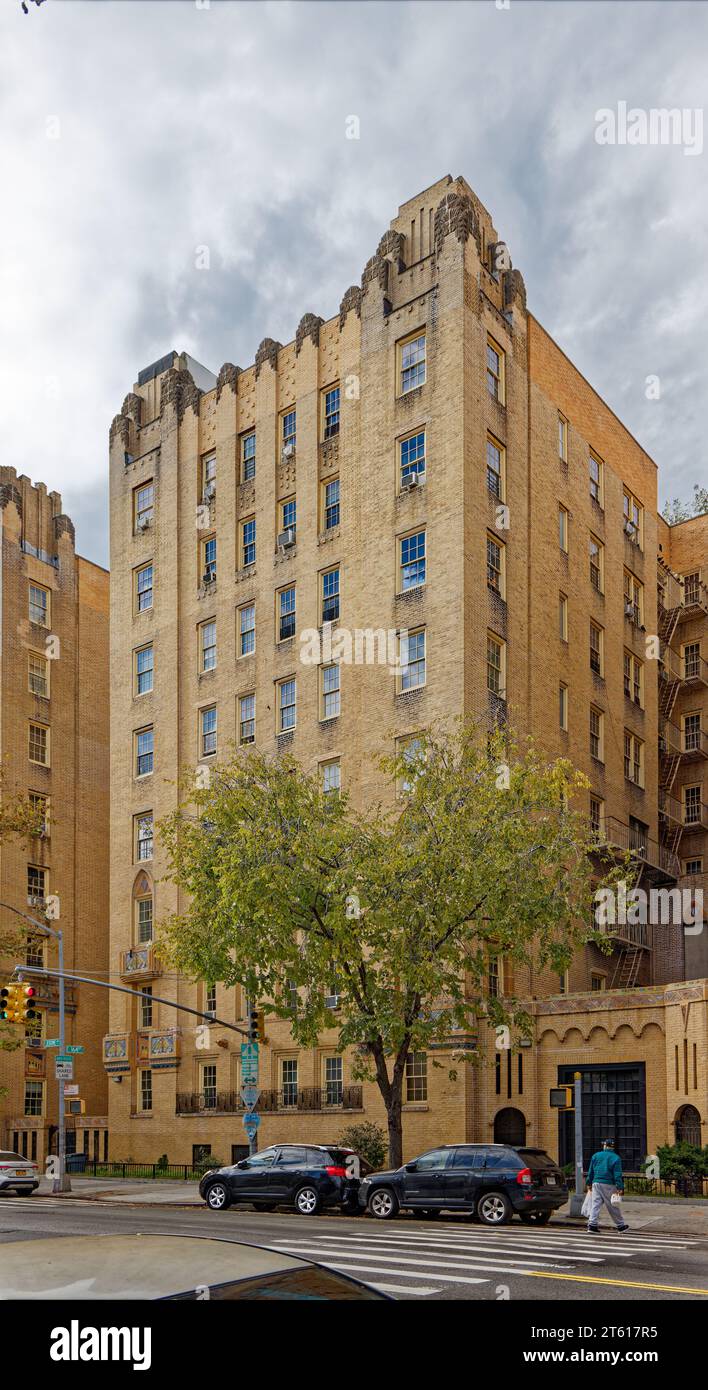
x=251 y=1123
x=74 y=1047
x=249 y=1052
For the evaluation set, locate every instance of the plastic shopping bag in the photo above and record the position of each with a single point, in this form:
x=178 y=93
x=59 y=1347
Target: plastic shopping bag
x=586 y=1208
x=616 y=1199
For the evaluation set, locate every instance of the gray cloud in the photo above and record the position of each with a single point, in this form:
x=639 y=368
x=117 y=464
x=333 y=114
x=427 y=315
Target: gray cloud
x=182 y=127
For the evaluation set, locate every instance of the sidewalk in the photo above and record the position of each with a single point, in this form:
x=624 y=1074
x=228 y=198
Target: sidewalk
x=670 y=1216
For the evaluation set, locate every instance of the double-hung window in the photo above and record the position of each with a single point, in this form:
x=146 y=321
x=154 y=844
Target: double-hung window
x=412 y=660
x=411 y=363
x=286 y=613
x=144 y=662
x=248 y=456
x=247 y=629
x=287 y=705
x=411 y=458
x=330 y=596
x=329 y=691
x=246 y=719
x=331 y=504
x=207 y=645
x=207 y=731
x=248 y=542
x=495 y=467
x=330 y=412
x=144 y=751
x=412 y=561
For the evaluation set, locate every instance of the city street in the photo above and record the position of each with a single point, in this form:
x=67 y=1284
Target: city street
x=449 y=1258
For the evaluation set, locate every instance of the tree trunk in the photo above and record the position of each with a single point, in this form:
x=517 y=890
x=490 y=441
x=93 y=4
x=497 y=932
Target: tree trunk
x=395 y=1130
x=391 y=1089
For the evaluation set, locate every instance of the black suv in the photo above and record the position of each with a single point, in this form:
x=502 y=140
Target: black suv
x=304 y=1176
x=490 y=1181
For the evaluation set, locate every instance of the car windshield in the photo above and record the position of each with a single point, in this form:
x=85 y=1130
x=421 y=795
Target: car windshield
x=12 y=1158
x=307 y=1284
x=536 y=1158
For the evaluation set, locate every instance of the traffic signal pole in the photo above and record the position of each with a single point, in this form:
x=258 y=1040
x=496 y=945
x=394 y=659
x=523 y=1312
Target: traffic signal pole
x=578 y=1197
x=61 y=1181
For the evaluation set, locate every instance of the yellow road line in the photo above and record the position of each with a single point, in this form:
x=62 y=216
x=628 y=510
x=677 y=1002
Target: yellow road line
x=617 y=1283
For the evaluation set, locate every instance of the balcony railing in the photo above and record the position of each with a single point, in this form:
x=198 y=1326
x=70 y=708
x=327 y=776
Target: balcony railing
x=309 y=1098
x=695 y=599
x=694 y=668
x=670 y=808
x=695 y=743
x=139 y=963
x=695 y=816
x=643 y=849
x=629 y=933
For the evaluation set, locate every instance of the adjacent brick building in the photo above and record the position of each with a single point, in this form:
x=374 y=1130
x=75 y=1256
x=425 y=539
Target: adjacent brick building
x=427 y=460
x=54 y=744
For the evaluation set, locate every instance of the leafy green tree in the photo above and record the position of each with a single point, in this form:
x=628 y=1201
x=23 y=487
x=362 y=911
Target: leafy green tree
x=399 y=909
x=676 y=510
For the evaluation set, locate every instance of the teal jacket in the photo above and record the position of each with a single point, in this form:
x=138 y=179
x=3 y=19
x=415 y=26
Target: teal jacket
x=605 y=1166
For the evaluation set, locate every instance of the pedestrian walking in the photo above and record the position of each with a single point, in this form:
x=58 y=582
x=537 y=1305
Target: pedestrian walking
x=606 y=1184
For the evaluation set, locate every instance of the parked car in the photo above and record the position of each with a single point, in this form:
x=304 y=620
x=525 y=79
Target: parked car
x=174 y=1268
x=18 y=1174
x=490 y=1181
x=304 y=1176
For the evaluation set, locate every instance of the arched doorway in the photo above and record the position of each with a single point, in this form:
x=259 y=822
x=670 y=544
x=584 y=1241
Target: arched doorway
x=510 y=1127
x=688 y=1126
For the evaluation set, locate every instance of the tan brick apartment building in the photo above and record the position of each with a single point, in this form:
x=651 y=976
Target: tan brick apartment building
x=427 y=460
x=54 y=744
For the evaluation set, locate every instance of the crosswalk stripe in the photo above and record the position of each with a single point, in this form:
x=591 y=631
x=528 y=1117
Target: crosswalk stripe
x=405 y=1274
x=435 y=1246
x=424 y=1264
x=618 y=1244
x=399 y=1288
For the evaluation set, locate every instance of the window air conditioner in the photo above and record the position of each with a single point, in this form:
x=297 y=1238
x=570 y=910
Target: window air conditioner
x=288 y=451
x=143 y=523
x=286 y=539
x=409 y=482
x=209 y=490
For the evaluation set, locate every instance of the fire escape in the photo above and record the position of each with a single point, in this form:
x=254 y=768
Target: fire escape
x=670 y=609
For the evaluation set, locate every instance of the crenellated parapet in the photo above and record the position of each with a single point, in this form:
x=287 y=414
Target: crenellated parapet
x=267 y=352
x=376 y=272
x=9 y=493
x=308 y=327
x=132 y=407
x=391 y=247
x=455 y=216
x=351 y=300
x=64 y=526
x=120 y=429
x=228 y=376
x=514 y=289
x=179 y=390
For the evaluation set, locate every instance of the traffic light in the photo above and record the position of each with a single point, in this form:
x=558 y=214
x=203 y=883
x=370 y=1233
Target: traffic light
x=28 y=1002
x=18 y=1003
x=256 y=1025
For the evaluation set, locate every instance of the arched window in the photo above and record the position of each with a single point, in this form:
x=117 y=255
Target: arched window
x=510 y=1127
x=142 y=909
x=688 y=1126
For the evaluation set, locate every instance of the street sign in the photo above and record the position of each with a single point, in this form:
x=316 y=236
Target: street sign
x=72 y=1090
x=52 y=1042
x=249 y=1095
x=251 y=1123
x=64 y=1057
x=64 y=1070
x=74 y=1048
x=249 y=1052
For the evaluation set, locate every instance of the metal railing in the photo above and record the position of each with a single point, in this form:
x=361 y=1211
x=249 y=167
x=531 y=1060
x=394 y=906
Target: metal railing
x=618 y=835
x=309 y=1098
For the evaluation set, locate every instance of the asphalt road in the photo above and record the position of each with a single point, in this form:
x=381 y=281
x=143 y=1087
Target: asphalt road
x=448 y=1258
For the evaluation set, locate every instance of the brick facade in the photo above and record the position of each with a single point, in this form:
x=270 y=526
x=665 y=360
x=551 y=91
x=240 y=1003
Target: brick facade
x=433 y=274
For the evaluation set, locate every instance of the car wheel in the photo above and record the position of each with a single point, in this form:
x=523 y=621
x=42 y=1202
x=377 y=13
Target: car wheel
x=535 y=1218
x=383 y=1203
x=494 y=1209
x=217 y=1197
x=307 y=1201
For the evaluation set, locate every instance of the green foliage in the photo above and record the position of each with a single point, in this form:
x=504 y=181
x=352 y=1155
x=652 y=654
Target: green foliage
x=368 y=1140
x=402 y=907
x=18 y=819
x=205 y=1164
x=676 y=510
x=682 y=1160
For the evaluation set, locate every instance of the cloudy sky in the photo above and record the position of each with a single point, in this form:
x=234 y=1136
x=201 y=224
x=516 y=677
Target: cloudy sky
x=136 y=131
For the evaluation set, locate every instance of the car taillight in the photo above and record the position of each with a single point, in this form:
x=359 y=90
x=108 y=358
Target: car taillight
x=524 y=1175
x=336 y=1172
